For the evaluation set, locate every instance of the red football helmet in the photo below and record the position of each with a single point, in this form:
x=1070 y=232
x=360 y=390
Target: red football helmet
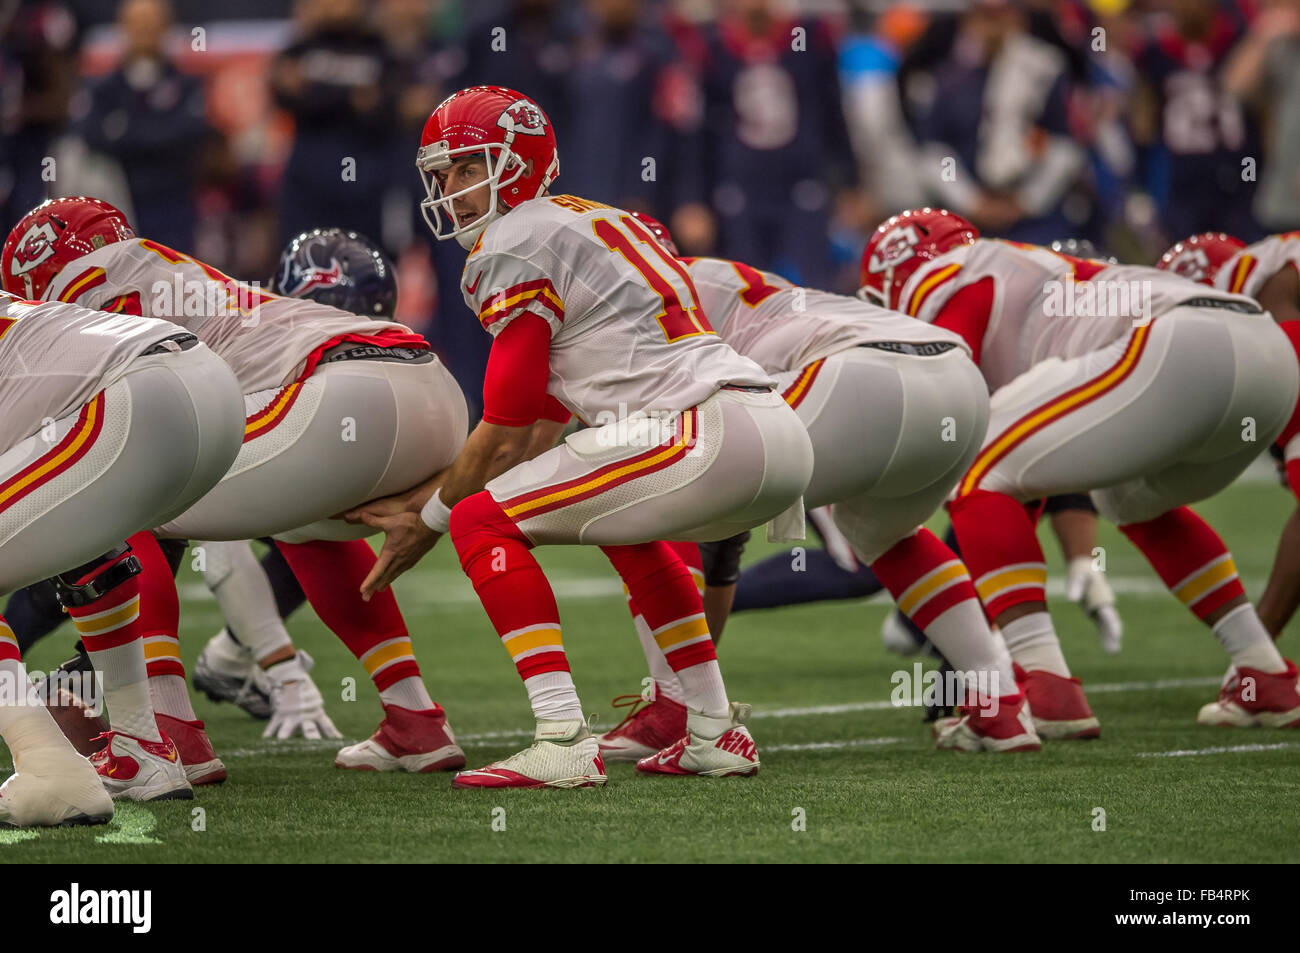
x=1201 y=256
x=658 y=230
x=513 y=135
x=902 y=243
x=55 y=233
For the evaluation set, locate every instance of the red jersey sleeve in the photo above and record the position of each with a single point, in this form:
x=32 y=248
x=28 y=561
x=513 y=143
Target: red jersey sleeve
x=967 y=313
x=514 y=387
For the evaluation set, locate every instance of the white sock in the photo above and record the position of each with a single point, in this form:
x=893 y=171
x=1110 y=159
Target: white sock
x=1244 y=638
x=126 y=689
x=409 y=693
x=554 y=697
x=703 y=690
x=25 y=724
x=171 y=697
x=245 y=597
x=962 y=634
x=666 y=683
x=1032 y=642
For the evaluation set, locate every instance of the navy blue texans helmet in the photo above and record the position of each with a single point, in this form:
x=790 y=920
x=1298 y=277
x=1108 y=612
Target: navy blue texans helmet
x=340 y=268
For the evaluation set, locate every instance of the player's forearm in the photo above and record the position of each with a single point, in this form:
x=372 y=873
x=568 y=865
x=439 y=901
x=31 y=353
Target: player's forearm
x=490 y=451
x=1282 y=595
x=545 y=434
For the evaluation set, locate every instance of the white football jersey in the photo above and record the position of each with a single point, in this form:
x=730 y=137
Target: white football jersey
x=628 y=333
x=1044 y=304
x=1249 y=270
x=782 y=327
x=265 y=338
x=55 y=357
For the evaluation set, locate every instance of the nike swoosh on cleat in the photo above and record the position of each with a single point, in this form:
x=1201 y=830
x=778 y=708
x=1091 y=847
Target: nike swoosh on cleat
x=667 y=760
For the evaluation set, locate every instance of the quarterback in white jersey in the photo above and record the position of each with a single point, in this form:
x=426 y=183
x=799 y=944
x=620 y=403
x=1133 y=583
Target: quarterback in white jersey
x=687 y=439
x=896 y=412
x=112 y=424
x=339 y=409
x=1124 y=381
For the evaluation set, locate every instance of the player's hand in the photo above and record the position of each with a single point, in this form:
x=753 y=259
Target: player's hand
x=296 y=702
x=406 y=539
x=1088 y=588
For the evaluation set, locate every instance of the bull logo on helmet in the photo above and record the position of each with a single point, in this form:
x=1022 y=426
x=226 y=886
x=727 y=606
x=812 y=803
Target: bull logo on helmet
x=36 y=246
x=523 y=117
x=895 y=248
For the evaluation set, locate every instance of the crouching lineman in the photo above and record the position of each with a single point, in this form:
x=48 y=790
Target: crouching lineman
x=1124 y=381
x=896 y=411
x=690 y=441
x=111 y=423
x=1268 y=272
x=243 y=663
x=340 y=409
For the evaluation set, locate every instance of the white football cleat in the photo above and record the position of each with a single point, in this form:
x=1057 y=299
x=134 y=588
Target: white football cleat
x=713 y=747
x=54 y=788
x=141 y=770
x=226 y=672
x=564 y=754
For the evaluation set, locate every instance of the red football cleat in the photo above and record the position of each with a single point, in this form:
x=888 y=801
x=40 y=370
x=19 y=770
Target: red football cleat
x=1254 y=698
x=1058 y=706
x=202 y=766
x=1011 y=728
x=406 y=740
x=649 y=727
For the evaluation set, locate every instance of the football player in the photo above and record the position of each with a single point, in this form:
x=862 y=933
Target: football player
x=340 y=409
x=111 y=424
x=243 y=662
x=1140 y=387
x=1266 y=271
x=588 y=315
x=896 y=411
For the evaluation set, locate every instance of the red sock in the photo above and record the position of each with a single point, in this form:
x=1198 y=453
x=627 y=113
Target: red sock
x=1190 y=558
x=160 y=609
x=924 y=576
x=511 y=585
x=330 y=573
x=999 y=544
x=664 y=593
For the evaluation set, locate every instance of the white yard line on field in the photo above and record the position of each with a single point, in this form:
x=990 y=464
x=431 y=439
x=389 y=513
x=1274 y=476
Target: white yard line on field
x=1226 y=749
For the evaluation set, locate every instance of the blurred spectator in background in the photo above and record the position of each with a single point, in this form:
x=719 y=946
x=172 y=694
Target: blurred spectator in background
x=1264 y=72
x=1194 y=130
x=37 y=76
x=149 y=117
x=995 y=138
x=338 y=80
x=776 y=148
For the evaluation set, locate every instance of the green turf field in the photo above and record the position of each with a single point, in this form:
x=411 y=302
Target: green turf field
x=861 y=776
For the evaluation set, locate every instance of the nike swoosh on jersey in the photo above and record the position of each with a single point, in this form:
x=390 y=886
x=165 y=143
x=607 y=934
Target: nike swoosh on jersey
x=474 y=287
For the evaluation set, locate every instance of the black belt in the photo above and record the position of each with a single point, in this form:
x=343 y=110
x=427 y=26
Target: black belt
x=929 y=349
x=371 y=352
x=182 y=342
x=1227 y=304
x=747 y=388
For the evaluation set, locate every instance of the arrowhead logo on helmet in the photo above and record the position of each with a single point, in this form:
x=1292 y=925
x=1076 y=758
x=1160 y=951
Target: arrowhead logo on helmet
x=902 y=244
x=1199 y=257
x=523 y=116
x=36 y=246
